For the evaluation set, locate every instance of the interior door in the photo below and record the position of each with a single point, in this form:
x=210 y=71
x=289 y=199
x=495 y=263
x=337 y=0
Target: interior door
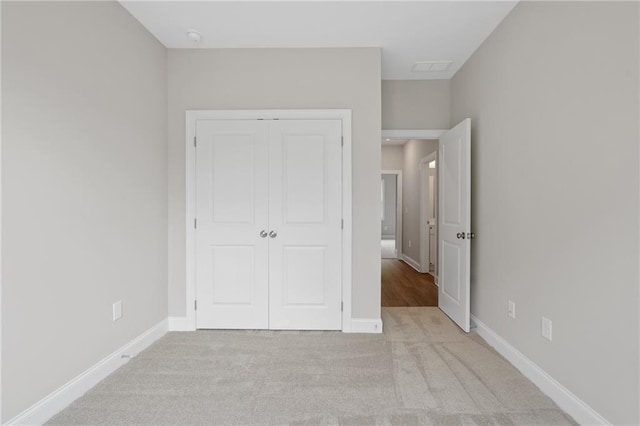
x=454 y=220
x=305 y=249
x=269 y=234
x=232 y=210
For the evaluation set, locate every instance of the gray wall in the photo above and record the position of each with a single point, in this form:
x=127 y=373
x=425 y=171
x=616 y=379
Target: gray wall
x=414 y=151
x=553 y=97
x=388 y=225
x=392 y=157
x=84 y=188
x=283 y=79
x=415 y=104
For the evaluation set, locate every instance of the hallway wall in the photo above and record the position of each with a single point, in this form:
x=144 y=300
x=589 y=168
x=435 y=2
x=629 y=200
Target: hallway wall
x=416 y=104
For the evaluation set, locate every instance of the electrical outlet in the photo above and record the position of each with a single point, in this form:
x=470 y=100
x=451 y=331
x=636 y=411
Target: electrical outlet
x=547 y=329
x=117 y=310
x=512 y=309
x=409 y=243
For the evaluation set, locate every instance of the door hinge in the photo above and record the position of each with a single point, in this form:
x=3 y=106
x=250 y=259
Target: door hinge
x=195 y=223
x=341 y=306
x=341 y=140
x=195 y=142
x=195 y=305
x=341 y=223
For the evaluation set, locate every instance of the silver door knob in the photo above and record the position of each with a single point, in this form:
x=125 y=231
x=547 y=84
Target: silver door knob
x=273 y=234
x=263 y=234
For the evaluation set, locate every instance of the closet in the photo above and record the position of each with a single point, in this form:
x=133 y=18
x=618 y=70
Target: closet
x=268 y=248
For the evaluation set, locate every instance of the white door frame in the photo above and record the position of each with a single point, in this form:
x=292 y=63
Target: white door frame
x=424 y=203
x=398 y=174
x=192 y=116
x=413 y=134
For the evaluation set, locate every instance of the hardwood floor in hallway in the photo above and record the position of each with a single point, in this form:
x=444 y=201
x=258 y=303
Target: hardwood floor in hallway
x=404 y=286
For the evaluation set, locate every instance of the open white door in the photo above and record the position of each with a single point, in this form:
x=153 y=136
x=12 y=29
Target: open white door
x=455 y=223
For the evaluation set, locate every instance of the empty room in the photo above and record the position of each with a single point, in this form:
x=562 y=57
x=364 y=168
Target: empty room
x=193 y=212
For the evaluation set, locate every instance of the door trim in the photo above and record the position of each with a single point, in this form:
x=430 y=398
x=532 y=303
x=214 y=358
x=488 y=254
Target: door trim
x=413 y=134
x=192 y=116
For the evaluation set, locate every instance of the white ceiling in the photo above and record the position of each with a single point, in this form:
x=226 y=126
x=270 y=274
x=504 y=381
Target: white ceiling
x=407 y=32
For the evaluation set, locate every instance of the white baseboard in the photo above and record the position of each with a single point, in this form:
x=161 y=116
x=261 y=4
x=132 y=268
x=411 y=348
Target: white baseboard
x=435 y=279
x=355 y=326
x=59 y=399
x=359 y=325
x=180 y=324
x=409 y=261
x=574 y=406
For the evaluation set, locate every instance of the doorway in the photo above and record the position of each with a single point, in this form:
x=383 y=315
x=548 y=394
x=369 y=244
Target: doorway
x=450 y=226
x=391 y=214
x=403 y=281
x=429 y=215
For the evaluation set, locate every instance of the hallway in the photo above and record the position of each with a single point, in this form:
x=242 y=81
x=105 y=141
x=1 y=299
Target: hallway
x=403 y=286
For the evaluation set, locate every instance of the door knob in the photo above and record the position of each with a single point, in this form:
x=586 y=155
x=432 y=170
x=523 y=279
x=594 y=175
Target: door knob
x=460 y=235
x=273 y=234
x=263 y=234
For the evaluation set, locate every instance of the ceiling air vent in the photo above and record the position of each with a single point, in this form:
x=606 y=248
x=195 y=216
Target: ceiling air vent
x=431 y=66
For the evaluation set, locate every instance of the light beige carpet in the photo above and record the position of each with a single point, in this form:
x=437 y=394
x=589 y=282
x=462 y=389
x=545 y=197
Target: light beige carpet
x=422 y=370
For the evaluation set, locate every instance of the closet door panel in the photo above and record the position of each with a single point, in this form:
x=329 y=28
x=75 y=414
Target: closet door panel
x=232 y=210
x=305 y=287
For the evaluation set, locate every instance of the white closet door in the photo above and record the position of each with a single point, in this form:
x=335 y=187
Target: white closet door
x=232 y=209
x=305 y=168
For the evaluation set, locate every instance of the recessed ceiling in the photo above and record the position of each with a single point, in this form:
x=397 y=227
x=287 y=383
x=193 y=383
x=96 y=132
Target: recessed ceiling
x=407 y=32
